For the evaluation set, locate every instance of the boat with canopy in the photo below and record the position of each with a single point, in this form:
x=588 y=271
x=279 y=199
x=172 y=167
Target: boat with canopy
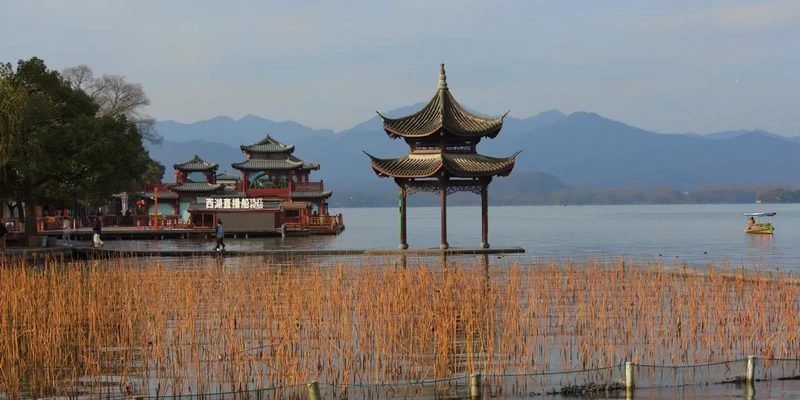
x=755 y=226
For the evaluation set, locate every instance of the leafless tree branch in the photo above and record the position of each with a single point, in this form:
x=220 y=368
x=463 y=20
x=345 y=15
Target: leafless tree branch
x=116 y=97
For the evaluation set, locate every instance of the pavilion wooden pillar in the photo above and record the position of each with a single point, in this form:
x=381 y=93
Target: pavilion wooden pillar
x=443 y=193
x=403 y=233
x=484 y=214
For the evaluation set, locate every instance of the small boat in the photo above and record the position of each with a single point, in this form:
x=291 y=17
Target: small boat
x=755 y=226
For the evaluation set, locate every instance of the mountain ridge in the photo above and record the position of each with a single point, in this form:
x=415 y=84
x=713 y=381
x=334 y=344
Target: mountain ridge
x=582 y=148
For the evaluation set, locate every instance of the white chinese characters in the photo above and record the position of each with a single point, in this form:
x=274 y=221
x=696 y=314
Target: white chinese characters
x=234 y=204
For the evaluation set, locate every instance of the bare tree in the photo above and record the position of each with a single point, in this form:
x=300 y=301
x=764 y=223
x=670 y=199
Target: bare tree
x=116 y=97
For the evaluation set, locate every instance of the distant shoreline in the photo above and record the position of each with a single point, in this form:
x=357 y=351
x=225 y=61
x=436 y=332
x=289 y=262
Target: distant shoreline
x=555 y=205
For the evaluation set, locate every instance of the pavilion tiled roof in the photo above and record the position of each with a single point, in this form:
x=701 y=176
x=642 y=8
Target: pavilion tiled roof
x=427 y=165
x=199 y=187
x=195 y=164
x=161 y=195
x=311 y=194
x=267 y=145
x=442 y=112
x=225 y=176
x=264 y=165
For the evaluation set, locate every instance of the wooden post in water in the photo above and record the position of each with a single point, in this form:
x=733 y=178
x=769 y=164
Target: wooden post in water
x=403 y=234
x=484 y=215
x=475 y=384
x=443 y=195
x=751 y=369
x=313 y=391
x=629 y=383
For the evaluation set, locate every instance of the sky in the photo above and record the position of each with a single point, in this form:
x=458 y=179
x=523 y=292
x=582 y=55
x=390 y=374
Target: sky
x=668 y=66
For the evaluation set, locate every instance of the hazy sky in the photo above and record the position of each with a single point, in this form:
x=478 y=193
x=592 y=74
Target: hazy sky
x=669 y=66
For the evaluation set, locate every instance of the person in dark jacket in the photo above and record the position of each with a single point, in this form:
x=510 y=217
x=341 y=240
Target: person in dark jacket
x=3 y=234
x=220 y=236
x=97 y=229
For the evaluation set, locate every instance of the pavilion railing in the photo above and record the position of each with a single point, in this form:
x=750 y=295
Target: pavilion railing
x=322 y=221
x=308 y=186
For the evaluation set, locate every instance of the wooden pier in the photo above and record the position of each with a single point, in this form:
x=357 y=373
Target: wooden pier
x=83 y=252
x=89 y=252
x=128 y=233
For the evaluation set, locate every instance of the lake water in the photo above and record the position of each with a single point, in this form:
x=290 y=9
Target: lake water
x=690 y=233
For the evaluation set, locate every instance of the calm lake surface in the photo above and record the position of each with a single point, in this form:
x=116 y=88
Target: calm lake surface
x=692 y=233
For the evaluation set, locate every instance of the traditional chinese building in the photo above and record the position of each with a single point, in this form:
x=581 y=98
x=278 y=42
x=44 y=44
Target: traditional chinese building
x=195 y=181
x=443 y=137
x=274 y=190
x=230 y=181
x=272 y=173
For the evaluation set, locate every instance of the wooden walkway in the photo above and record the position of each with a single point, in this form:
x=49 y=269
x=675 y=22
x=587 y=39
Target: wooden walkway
x=88 y=252
x=82 y=252
x=128 y=233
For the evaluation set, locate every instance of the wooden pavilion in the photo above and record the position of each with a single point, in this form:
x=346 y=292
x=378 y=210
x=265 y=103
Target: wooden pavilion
x=443 y=137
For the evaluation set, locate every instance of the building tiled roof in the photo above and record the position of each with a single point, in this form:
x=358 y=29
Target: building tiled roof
x=225 y=176
x=265 y=165
x=267 y=145
x=311 y=195
x=229 y=194
x=196 y=187
x=161 y=195
x=195 y=164
x=442 y=113
x=461 y=165
x=306 y=165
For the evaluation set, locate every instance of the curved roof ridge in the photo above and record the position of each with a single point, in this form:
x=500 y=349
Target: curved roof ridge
x=195 y=164
x=442 y=111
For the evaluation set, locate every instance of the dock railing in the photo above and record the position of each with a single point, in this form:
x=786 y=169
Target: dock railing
x=322 y=221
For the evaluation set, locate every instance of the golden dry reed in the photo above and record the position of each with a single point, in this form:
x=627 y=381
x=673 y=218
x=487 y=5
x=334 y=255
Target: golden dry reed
x=137 y=327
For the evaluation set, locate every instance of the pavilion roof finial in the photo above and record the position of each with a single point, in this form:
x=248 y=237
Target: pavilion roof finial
x=442 y=78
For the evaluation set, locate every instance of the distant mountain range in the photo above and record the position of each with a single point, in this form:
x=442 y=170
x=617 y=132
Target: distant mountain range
x=580 y=149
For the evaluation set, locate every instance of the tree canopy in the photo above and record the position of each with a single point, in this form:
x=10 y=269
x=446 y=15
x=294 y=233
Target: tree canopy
x=55 y=145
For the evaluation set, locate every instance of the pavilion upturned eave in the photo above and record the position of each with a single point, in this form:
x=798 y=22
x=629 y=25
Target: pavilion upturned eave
x=456 y=165
x=196 y=187
x=195 y=164
x=267 y=148
x=267 y=165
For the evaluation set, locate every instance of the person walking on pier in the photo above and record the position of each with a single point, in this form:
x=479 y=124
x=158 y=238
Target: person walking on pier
x=220 y=236
x=67 y=226
x=98 y=228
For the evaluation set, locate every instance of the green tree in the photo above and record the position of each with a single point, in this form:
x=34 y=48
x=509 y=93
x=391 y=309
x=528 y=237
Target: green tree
x=154 y=172
x=62 y=148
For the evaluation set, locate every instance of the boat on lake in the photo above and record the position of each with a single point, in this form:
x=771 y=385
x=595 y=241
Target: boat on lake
x=755 y=226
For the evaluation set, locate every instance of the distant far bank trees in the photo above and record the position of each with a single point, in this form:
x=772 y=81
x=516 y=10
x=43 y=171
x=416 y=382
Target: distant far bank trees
x=61 y=140
x=539 y=193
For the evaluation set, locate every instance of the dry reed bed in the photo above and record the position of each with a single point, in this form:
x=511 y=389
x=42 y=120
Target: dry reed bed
x=117 y=327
